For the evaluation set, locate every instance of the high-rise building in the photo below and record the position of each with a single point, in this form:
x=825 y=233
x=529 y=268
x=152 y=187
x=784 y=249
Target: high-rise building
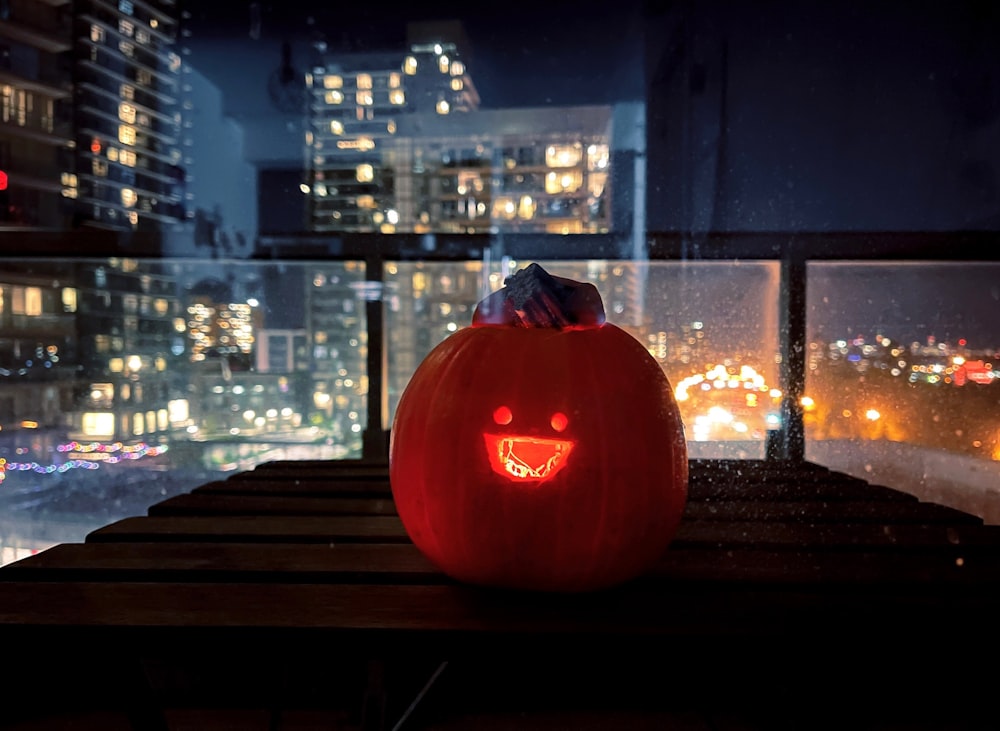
x=356 y=102
x=129 y=99
x=91 y=115
x=130 y=341
x=37 y=184
x=396 y=143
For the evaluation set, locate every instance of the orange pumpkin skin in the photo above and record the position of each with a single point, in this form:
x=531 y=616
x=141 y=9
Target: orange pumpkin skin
x=601 y=512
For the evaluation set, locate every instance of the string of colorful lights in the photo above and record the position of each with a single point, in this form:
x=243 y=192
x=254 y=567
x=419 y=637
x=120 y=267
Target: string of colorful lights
x=100 y=453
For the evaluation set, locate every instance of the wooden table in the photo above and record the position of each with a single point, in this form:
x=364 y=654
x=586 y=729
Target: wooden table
x=792 y=597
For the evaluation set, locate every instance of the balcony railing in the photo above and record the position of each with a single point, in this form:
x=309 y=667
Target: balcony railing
x=774 y=291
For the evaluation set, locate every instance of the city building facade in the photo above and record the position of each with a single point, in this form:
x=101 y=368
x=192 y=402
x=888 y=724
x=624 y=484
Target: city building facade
x=397 y=143
x=130 y=97
x=92 y=100
x=37 y=145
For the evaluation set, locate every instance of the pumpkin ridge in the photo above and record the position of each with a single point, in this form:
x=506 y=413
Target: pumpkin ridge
x=453 y=348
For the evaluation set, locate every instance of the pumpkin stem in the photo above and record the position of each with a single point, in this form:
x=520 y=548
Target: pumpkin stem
x=532 y=297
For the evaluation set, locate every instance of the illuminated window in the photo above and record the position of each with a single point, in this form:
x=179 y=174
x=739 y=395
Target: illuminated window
x=126 y=27
x=526 y=208
x=126 y=134
x=126 y=113
x=565 y=182
x=127 y=48
x=597 y=157
x=457 y=84
x=98 y=424
x=129 y=197
x=178 y=410
x=23 y=105
x=144 y=77
x=99 y=168
x=68 y=179
x=442 y=107
x=127 y=91
x=364 y=98
x=390 y=127
x=69 y=299
x=332 y=81
x=27 y=301
x=138 y=424
x=364 y=173
x=142 y=36
x=173 y=62
x=336 y=127
x=563 y=156
x=126 y=7
x=334 y=97
x=396 y=96
x=127 y=158
x=504 y=208
x=457 y=68
x=596 y=183
x=96 y=33
x=395 y=80
x=113 y=154
x=364 y=81
x=410 y=65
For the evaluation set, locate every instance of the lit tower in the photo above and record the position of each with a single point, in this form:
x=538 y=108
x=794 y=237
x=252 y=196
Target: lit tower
x=129 y=102
x=355 y=103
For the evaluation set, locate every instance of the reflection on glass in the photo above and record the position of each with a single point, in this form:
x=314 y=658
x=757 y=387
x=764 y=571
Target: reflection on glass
x=123 y=381
x=903 y=376
x=712 y=326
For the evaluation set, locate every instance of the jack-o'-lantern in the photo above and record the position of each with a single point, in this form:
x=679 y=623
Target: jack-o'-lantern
x=540 y=448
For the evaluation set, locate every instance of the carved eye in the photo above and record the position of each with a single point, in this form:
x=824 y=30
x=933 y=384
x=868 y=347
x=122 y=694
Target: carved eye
x=559 y=421
x=502 y=415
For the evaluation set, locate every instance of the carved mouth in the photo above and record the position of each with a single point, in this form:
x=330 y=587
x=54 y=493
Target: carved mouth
x=526 y=458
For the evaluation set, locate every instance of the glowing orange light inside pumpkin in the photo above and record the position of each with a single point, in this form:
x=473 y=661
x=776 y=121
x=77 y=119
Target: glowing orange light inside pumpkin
x=527 y=457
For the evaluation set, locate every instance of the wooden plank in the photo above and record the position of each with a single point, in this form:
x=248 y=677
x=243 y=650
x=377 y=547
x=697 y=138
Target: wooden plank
x=732 y=510
x=255 y=528
x=635 y=614
x=403 y=563
x=344 y=487
x=719 y=490
x=901 y=536
x=828 y=511
x=314 y=470
x=725 y=472
x=699 y=490
x=223 y=504
x=710 y=533
x=230 y=562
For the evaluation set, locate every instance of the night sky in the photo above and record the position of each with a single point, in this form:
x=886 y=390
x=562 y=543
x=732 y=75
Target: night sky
x=515 y=43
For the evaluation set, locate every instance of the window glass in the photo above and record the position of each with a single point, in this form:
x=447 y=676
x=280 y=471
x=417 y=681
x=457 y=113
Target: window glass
x=244 y=230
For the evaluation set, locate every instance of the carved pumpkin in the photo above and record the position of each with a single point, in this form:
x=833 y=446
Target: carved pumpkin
x=541 y=448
